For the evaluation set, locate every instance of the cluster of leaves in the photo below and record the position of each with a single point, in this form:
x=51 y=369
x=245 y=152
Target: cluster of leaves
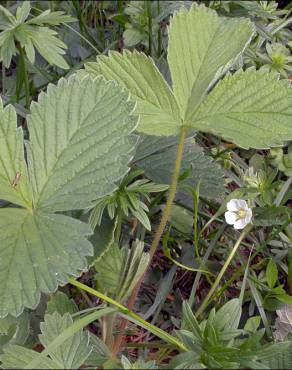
x=218 y=343
x=126 y=200
x=31 y=34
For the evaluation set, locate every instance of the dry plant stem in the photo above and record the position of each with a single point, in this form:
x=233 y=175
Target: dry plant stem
x=158 y=234
x=221 y=273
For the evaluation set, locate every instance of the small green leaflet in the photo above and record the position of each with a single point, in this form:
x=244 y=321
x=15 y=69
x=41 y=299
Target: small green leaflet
x=14 y=185
x=200 y=44
x=253 y=109
x=79 y=142
x=38 y=251
x=156 y=104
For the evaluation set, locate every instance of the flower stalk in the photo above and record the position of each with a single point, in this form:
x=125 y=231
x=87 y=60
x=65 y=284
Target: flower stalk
x=222 y=272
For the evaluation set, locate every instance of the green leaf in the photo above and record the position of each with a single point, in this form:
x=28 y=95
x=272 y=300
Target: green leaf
x=120 y=268
x=149 y=144
x=158 y=168
x=14 y=330
x=156 y=105
x=8 y=48
x=252 y=324
x=14 y=184
x=181 y=219
x=201 y=47
x=100 y=353
x=102 y=238
x=61 y=303
x=79 y=142
x=269 y=216
x=65 y=343
x=228 y=316
x=133 y=36
x=190 y=321
x=139 y=364
x=272 y=273
x=23 y=11
x=49 y=46
x=38 y=251
x=67 y=335
x=51 y=18
x=17 y=357
x=7 y=19
x=141 y=216
x=280 y=360
x=253 y=109
x=73 y=352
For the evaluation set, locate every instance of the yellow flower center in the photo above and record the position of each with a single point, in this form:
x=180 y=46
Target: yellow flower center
x=241 y=213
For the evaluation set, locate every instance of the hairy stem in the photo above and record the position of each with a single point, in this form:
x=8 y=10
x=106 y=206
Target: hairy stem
x=159 y=232
x=135 y=318
x=221 y=273
x=171 y=194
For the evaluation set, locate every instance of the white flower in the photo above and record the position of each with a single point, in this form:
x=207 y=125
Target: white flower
x=238 y=213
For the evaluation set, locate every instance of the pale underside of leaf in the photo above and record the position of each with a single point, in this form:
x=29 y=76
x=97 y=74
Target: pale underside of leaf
x=80 y=142
x=158 y=168
x=156 y=104
x=37 y=252
x=14 y=185
x=253 y=109
x=200 y=43
x=73 y=352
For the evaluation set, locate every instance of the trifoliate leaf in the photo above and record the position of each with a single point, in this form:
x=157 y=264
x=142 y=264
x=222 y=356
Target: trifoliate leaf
x=79 y=147
x=79 y=142
x=158 y=168
x=156 y=105
x=14 y=184
x=253 y=109
x=201 y=43
x=38 y=252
